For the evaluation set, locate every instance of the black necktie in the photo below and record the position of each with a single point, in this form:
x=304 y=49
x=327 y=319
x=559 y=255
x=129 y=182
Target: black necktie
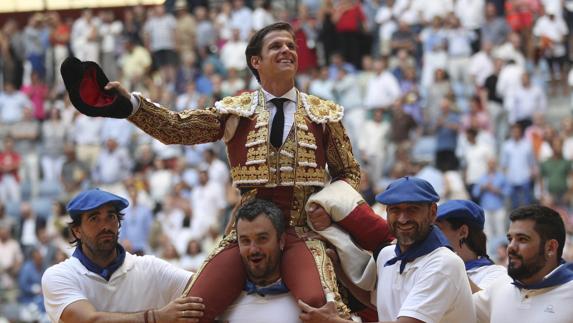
x=278 y=122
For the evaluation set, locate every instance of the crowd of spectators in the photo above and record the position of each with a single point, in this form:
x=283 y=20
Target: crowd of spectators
x=453 y=91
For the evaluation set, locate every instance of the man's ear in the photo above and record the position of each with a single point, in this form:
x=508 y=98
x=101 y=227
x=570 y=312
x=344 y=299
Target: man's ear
x=433 y=212
x=255 y=61
x=464 y=231
x=75 y=230
x=282 y=241
x=551 y=247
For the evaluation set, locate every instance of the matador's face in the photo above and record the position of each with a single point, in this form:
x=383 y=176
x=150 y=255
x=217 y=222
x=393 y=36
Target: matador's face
x=278 y=58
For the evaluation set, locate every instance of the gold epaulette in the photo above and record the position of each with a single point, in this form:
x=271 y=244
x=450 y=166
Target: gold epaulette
x=243 y=105
x=321 y=111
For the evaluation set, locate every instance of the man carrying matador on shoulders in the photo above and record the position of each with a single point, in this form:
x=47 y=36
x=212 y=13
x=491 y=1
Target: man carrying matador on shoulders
x=280 y=143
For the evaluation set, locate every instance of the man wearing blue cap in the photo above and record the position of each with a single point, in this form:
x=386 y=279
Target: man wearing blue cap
x=462 y=222
x=542 y=287
x=103 y=281
x=420 y=279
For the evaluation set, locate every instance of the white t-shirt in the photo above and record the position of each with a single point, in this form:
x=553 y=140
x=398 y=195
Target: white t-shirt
x=556 y=30
x=509 y=78
x=481 y=67
x=12 y=106
x=383 y=89
x=233 y=55
x=485 y=276
x=432 y=288
x=470 y=12
x=161 y=31
x=507 y=303
x=86 y=130
x=109 y=32
x=507 y=52
x=522 y=102
x=281 y=308
x=430 y=9
x=476 y=157
x=140 y=283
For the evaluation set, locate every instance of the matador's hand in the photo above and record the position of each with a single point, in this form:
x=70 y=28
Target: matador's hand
x=318 y=217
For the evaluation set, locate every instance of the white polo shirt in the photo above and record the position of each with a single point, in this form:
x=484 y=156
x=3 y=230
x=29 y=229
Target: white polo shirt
x=507 y=303
x=280 y=308
x=485 y=276
x=432 y=288
x=140 y=283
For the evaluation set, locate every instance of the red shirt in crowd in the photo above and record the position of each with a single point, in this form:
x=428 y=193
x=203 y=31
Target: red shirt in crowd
x=351 y=19
x=9 y=163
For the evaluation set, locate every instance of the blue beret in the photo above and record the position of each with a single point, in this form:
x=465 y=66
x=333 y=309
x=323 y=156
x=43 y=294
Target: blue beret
x=464 y=210
x=408 y=190
x=92 y=199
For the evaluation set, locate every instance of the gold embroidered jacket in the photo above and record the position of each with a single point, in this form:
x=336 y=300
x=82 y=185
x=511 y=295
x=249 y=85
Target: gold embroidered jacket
x=316 y=141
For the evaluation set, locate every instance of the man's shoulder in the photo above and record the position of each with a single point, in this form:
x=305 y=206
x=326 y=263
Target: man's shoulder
x=151 y=265
x=442 y=260
x=243 y=105
x=320 y=110
x=386 y=253
x=71 y=262
x=64 y=270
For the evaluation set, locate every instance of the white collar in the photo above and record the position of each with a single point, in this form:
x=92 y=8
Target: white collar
x=291 y=95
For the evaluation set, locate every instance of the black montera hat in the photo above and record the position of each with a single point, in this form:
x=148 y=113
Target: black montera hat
x=85 y=82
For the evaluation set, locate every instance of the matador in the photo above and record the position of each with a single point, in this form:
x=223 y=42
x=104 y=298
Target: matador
x=282 y=144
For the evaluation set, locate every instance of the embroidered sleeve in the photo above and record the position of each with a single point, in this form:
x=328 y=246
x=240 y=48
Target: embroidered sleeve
x=188 y=127
x=341 y=162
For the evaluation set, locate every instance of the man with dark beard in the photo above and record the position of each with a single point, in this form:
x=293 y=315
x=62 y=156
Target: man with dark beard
x=419 y=279
x=103 y=282
x=261 y=235
x=542 y=287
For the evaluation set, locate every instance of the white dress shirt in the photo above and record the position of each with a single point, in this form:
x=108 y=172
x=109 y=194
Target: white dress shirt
x=289 y=108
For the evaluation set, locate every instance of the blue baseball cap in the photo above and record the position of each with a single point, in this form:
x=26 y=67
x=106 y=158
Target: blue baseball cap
x=408 y=190
x=464 y=210
x=92 y=199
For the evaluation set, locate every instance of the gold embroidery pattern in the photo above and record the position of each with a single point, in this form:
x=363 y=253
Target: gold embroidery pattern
x=257 y=137
x=189 y=127
x=306 y=137
x=257 y=151
x=260 y=134
x=341 y=162
x=258 y=174
x=243 y=105
x=326 y=271
x=310 y=176
x=305 y=154
x=285 y=173
x=229 y=239
x=306 y=171
x=249 y=195
x=321 y=111
x=301 y=194
x=257 y=155
x=298 y=152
